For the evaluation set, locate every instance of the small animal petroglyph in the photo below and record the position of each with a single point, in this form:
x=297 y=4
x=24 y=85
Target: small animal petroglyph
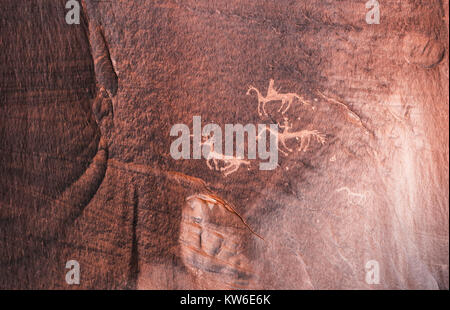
x=231 y=163
x=274 y=95
x=353 y=198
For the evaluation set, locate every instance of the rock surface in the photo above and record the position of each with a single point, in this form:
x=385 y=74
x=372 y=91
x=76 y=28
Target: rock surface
x=87 y=175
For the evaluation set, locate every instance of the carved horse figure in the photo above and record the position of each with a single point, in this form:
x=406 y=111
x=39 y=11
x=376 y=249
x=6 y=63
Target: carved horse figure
x=274 y=95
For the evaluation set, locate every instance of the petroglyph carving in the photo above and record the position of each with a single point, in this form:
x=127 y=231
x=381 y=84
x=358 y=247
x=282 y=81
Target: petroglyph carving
x=230 y=164
x=353 y=197
x=274 y=95
x=304 y=136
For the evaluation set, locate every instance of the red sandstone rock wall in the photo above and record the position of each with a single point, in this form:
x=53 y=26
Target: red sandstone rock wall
x=86 y=113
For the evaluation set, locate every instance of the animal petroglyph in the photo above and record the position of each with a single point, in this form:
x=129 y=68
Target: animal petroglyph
x=304 y=136
x=234 y=155
x=274 y=95
x=353 y=198
x=230 y=163
x=209 y=146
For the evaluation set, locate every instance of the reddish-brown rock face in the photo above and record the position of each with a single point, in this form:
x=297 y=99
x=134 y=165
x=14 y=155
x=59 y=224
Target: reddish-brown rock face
x=362 y=171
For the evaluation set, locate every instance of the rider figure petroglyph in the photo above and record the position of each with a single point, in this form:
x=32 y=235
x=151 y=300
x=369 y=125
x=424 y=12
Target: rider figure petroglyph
x=274 y=95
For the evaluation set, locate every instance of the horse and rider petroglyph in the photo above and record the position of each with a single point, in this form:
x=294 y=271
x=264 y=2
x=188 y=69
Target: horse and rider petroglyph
x=274 y=95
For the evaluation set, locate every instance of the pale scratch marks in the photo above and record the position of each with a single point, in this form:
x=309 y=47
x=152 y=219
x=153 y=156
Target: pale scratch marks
x=354 y=198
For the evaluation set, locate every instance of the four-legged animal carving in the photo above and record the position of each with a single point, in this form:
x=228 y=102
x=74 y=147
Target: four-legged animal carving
x=274 y=95
x=231 y=163
x=304 y=136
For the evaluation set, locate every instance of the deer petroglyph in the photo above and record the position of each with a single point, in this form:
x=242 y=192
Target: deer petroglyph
x=304 y=136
